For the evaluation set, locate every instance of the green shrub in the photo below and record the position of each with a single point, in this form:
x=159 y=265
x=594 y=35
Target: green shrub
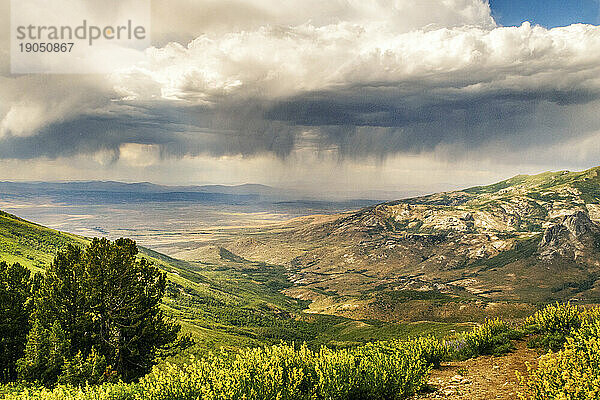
x=429 y=349
x=553 y=324
x=120 y=391
x=380 y=370
x=390 y=370
x=82 y=370
x=494 y=337
x=574 y=372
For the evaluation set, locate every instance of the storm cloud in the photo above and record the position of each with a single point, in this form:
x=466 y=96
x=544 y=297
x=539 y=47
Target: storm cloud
x=350 y=79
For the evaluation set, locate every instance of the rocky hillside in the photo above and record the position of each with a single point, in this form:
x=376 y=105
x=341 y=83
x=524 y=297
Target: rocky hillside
x=529 y=239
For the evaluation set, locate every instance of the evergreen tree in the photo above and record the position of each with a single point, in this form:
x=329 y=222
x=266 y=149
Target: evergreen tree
x=15 y=293
x=98 y=307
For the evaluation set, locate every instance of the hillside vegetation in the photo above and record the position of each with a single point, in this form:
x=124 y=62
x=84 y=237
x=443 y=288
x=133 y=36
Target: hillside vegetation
x=30 y=244
x=379 y=370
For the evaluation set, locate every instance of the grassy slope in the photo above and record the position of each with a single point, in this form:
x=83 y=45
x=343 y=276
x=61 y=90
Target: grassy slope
x=30 y=244
x=228 y=303
x=547 y=181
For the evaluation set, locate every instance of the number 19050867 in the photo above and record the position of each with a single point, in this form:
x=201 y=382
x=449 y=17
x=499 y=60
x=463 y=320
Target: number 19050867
x=46 y=47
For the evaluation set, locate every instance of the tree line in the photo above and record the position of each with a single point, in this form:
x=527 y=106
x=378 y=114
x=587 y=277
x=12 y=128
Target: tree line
x=92 y=317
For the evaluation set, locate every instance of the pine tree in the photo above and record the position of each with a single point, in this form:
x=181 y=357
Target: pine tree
x=123 y=296
x=97 y=307
x=15 y=293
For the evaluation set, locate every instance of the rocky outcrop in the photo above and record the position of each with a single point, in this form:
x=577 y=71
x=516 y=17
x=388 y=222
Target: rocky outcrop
x=579 y=224
x=569 y=236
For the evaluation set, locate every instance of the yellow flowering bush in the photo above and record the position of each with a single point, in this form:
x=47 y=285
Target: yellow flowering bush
x=574 y=372
x=555 y=317
x=380 y=370
x=553 y=324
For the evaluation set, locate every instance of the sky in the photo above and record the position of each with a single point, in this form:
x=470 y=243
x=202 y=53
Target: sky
x=548 y=13
x=343 y=95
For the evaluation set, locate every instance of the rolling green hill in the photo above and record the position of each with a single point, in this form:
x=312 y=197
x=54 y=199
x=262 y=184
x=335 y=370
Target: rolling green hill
x=30 y=244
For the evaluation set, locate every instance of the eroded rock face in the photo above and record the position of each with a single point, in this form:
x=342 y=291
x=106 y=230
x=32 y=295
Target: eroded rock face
x=578 y=224
x=553 y=236
x=568 y=236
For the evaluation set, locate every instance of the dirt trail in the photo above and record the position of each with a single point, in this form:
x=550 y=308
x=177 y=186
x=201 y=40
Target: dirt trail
x=482 y=378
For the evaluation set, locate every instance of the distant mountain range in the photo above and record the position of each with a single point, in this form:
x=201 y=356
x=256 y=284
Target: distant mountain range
x=141 y=187
x=147 y=190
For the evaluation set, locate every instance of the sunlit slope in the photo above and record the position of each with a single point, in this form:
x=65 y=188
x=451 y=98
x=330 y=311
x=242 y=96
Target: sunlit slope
x=30 y=244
